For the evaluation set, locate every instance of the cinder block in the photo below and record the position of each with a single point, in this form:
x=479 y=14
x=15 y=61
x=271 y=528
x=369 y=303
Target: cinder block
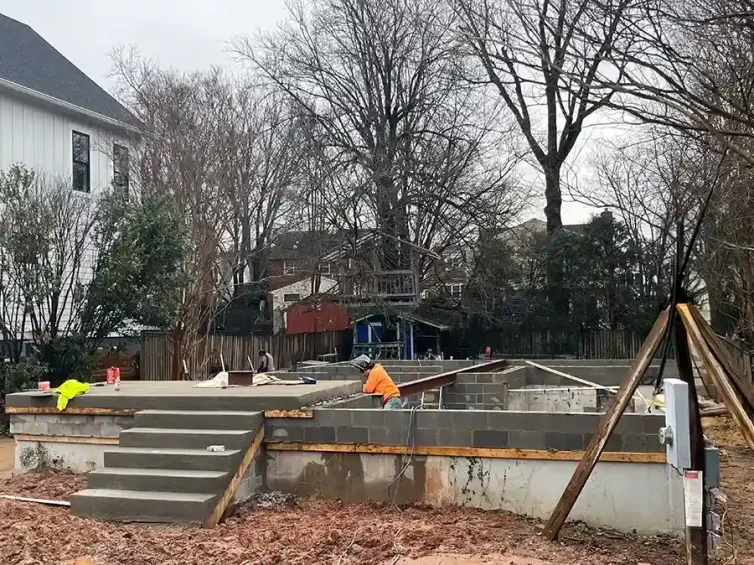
x=319 y=434
x=383 y=436
x=651 y=423
x=507 y=421
x=469 y=420
x=641 y=443
x=352 y=435
x=426 y=437
x=284 y=433
x=538 y=421
x=563 y=441
x=367 y=418
x=483 y=377
x=581 y=423
x=490 y=438
x=630 y=424
x=433 y=419
x=615 y=443
x=526 y=439
x=454 y=437
x=333 y=417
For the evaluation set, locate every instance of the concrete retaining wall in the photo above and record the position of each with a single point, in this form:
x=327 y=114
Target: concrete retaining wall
x=653 y=503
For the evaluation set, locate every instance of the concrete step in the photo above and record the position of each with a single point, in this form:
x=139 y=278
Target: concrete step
x=184 y=438
x=198 y=420
x=166 y=480
x=142 y=506
x=166 y=458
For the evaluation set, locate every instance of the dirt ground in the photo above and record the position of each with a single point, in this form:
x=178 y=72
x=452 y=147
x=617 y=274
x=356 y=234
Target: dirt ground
x=328 y=532
x=7 y=456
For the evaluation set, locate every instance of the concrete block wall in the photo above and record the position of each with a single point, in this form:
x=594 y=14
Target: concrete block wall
x=483 y=391
x=69 y=425
x=50 y=453
x=561 y=399
x=605 y=375
x=464 y=428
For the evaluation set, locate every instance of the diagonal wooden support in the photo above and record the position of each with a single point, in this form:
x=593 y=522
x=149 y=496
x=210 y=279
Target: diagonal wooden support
x=606 y=426
x=243 y=466
x=723 y=383
x=723 y=356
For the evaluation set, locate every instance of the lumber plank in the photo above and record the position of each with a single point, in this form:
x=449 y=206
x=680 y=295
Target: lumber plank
x=81 y=411
x=36 y=500
x=696 y=538
x=723 y=356
x=482 y=452
x=222 y=504
x=288 y=414
x=724 y=386
x=606 y=426
x=93 y=440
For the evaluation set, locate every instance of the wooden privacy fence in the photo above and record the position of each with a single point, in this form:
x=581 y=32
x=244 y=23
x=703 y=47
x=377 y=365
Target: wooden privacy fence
x=157 y=352
x=600 y=344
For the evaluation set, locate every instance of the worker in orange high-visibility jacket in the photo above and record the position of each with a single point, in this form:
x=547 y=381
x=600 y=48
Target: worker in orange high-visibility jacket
x=377 y=381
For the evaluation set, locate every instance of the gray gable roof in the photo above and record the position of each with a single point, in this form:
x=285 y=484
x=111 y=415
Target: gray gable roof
x=27 y=60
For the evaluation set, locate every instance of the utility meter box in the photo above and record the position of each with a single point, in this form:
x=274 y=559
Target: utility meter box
x=675 y=435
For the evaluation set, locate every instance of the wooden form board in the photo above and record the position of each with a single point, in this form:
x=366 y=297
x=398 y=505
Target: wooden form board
x=223 y=502
x=91 y=440
x=442 y=451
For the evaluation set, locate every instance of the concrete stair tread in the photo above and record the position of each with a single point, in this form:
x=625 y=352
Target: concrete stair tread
x=146 y=495
x=175 y=451
x=232 y=433
x=172 y=473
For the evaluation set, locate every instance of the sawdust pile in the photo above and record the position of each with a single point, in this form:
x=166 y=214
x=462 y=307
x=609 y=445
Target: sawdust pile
x=297 y=532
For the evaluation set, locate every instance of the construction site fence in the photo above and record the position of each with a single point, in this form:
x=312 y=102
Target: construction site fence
x=237 y=351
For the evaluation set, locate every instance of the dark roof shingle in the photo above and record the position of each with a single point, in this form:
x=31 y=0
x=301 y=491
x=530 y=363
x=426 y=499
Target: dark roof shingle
x=27 y=60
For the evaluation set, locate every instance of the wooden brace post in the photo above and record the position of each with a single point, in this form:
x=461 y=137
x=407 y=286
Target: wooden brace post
x=606 y=426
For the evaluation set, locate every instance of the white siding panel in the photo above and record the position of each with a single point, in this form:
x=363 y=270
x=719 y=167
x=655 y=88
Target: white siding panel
x=41 y=139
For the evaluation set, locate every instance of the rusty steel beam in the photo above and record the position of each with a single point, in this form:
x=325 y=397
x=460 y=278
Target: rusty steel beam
x=448 y=378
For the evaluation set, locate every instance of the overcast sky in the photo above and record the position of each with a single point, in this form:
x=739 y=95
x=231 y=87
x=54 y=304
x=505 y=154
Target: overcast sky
x=184 y=34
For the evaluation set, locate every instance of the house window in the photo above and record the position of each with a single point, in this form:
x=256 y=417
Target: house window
x=454 y=261
x=120 y=167
x=325 y=269
x=289 y=268
x=291 y=297
x=456 y=290
x=81 y=162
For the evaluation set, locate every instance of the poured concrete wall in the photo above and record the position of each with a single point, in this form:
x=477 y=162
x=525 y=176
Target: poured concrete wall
x=522 y=486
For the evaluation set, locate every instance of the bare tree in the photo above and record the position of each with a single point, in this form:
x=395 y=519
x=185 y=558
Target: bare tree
x=182 y=138
x=46 y=247
x=534 y=52
x=395 y=127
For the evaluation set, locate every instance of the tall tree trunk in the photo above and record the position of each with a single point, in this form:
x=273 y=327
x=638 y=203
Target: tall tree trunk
x=553 y=200
x=176 y=337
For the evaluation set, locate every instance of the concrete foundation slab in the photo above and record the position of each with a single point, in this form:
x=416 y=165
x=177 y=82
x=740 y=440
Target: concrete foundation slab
x=182 y=395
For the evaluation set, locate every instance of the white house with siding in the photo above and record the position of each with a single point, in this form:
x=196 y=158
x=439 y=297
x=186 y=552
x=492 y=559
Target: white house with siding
x=56 y=120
